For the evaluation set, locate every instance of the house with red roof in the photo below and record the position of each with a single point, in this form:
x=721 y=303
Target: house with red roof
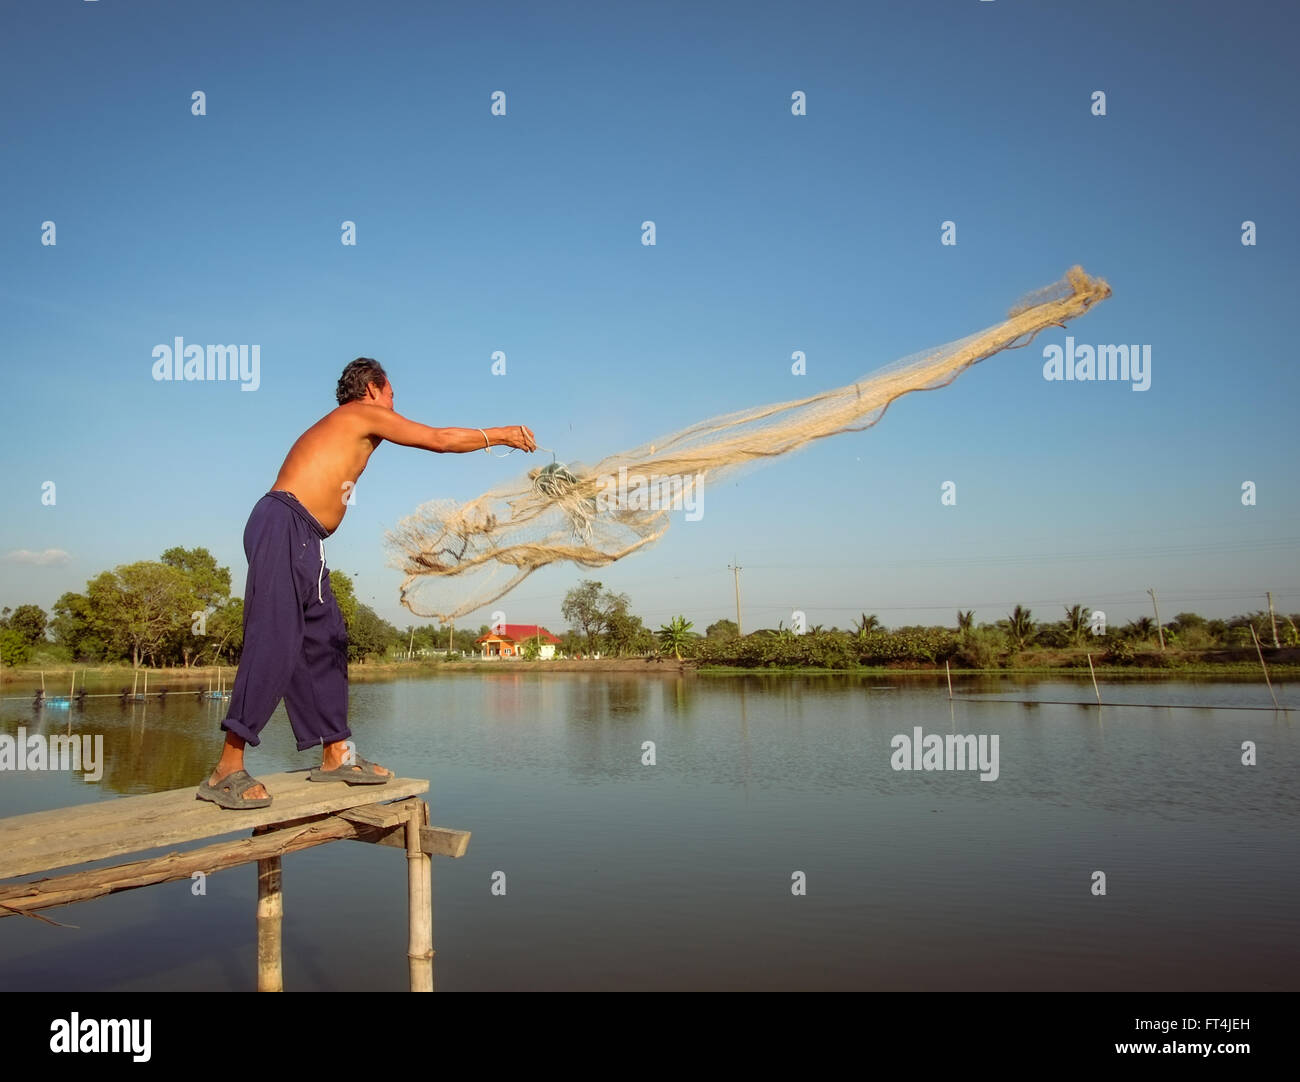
x=508 y=640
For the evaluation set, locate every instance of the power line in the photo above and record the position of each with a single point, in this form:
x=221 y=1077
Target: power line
x=1110 y=599
x=1093 y=554
x=1207 y=548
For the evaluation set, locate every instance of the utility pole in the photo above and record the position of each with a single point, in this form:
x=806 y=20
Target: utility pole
x=1272 y=619
x=451 y=630
x=735 y=570
x=1160 y=629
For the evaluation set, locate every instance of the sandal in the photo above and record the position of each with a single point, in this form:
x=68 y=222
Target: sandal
x=348 y=772
x=229 y=792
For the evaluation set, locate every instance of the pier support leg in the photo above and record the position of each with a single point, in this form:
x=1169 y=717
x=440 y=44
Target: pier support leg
x=270 y=914
x=419 y=878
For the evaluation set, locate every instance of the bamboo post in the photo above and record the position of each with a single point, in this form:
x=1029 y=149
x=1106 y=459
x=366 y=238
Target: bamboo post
x=419 y=865
x=146 y=683
x=949 y=672
x=1263 y=666
x=1095 y=688
x=42 y=683
x=135 y=680
x=270 y=916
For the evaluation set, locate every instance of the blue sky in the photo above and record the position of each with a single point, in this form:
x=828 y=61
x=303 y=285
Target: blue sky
x=775 y=233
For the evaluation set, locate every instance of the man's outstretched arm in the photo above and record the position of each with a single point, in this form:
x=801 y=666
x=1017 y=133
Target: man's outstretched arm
x=395 y=428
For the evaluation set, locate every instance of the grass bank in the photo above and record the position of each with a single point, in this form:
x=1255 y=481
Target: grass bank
x=1219 y=663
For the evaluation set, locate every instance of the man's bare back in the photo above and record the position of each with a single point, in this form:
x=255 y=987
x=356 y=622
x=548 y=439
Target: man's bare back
x=325 y=462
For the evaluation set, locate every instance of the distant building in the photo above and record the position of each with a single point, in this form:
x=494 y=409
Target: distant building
x=508 y=640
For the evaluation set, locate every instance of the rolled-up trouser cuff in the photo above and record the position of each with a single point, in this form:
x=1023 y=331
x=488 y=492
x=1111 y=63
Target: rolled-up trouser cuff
x=247 y=735
x=345 y=734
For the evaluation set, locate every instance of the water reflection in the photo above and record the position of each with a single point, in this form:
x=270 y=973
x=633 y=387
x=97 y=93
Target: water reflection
x=148 y=747
x=597 y=698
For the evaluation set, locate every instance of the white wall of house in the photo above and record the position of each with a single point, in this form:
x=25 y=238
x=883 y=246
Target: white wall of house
x=545 y=653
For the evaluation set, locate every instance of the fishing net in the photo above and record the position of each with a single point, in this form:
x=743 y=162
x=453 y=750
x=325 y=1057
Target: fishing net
x=458 y=558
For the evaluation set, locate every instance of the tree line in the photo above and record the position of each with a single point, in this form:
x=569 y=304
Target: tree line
x=174 y=611
x=178 y=611
x=602 y=622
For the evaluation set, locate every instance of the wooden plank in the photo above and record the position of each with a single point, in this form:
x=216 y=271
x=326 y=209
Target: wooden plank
x=377 y=815
x=389 y=821
x=45 y=840
x=82 y=886
x=435 y=841
x=441 y=842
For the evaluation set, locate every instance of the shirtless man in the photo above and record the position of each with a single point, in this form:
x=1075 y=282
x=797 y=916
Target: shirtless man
x=295 y=641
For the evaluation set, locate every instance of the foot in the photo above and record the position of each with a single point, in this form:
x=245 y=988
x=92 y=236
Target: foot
x=223 y=770
x=332 y=756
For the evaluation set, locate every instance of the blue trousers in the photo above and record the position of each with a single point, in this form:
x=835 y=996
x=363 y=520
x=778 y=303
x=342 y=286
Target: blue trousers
x=295 y=641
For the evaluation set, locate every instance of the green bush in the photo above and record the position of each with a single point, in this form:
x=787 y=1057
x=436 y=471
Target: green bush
x=1052 y=637
x=1121 y=652
x=976 y=654
x=980 y=648
x=14 y=647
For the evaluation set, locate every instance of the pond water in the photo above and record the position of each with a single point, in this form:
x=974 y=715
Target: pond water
x=681 y=875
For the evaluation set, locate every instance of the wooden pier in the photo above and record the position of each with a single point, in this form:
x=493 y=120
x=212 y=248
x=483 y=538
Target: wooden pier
x=303 y=814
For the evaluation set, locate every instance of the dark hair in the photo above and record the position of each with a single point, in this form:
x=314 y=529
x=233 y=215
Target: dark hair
x=357 y=376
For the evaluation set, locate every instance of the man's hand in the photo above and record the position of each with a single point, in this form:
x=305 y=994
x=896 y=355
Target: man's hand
x=518 y=436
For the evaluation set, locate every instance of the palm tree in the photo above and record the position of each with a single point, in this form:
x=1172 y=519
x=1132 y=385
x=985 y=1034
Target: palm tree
x=1076 y=622
x=1020 y=626
x=867 y=624
x=965 y=621
x=674 y=635
x=1140 y=628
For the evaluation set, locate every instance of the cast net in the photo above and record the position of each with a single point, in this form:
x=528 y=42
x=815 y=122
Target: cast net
x=458 y=558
